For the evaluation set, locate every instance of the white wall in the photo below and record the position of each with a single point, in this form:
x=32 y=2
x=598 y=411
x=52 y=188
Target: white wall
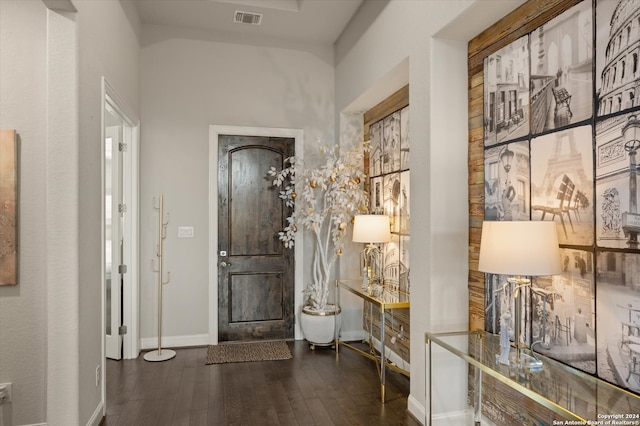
x=368 y=54
x=188 y=82
x=23 y=311
x=108 y=46
x=50 y=324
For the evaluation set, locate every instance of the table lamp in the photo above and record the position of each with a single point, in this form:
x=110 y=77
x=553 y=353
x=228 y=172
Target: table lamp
x=371 y=229
x=521 y=249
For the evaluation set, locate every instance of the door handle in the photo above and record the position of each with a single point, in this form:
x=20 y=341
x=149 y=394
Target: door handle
x=224 y=264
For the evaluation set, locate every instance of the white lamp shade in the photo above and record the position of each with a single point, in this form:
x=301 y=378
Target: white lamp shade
x=371 y=228
x=519 y=248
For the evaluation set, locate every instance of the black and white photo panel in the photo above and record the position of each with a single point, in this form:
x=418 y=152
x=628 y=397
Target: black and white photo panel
x=405 y=283
x=392 y=264
x=617 y=64
x=391 y=143
x=506 y=184
x=376 y=194
x=404 y=138
x=375 y=149
x=618 y=325
x=562 y=183
x=391 y=199
x=562 y=70
x=563 y=314
x=506 y=93
x=404 y=204
x=617 y=215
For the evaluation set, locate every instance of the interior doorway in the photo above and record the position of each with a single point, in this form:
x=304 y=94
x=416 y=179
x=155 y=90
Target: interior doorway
x=214 y=261
x=120 y=226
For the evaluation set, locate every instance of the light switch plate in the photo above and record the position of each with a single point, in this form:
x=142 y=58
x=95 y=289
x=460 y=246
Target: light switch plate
x=185 y=232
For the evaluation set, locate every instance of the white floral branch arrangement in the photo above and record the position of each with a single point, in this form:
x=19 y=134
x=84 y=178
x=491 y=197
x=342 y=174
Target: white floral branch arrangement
x=325 y=200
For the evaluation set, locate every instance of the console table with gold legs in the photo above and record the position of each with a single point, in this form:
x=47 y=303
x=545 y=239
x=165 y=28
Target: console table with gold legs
x=385 y=302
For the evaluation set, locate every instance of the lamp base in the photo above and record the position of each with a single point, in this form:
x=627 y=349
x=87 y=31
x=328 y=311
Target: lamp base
x=522 y=362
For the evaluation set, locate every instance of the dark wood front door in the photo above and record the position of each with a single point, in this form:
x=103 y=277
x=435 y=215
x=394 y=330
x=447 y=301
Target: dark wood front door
x=255 y=271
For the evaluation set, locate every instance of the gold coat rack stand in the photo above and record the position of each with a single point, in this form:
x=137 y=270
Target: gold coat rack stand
x=160 y=354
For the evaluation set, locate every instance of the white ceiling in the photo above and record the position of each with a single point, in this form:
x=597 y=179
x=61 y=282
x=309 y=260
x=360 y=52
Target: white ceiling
x=307 y=21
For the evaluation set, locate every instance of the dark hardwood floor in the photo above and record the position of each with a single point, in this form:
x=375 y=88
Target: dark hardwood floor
x=313 y=388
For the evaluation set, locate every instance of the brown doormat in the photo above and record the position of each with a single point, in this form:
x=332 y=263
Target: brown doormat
x=246 y=352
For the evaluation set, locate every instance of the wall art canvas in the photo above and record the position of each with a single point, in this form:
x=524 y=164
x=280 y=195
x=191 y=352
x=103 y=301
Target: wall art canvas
x=404 y=204
x=8 y=207
x=404 y=138
x=391 y=143
x=506 y=93
x=562 y=70
x=617 y=62
x=391 y=194
x=618 y=325
x=405 y=284
x=375 y=149
x=391 y=273
x=562 y=183
x=617 y=215
x=376 y=200
x=389 y=183
x=563 y=314
x=581 y=157
x=506 y=185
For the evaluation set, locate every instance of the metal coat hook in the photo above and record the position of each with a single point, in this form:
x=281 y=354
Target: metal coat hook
x=162 y=234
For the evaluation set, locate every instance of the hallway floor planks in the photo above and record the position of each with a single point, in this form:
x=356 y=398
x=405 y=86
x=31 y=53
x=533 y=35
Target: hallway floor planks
x=313 y=388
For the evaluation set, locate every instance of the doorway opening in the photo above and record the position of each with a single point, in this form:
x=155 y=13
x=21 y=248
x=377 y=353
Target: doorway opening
x=120 y=226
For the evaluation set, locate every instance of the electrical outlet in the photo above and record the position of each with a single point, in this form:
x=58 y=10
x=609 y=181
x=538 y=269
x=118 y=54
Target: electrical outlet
x=98 y=375
x=5 y=392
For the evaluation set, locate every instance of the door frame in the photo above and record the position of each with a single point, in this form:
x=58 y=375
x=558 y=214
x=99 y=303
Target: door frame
x=214 y=132
x=131 y=340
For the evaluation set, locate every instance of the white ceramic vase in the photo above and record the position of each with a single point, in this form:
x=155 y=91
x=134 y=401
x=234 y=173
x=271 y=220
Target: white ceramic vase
x=321 y=328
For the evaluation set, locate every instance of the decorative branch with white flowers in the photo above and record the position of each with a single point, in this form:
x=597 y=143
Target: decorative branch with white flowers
x=325 y=200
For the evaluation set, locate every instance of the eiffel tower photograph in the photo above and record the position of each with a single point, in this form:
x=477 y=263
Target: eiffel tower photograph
x=562 y=183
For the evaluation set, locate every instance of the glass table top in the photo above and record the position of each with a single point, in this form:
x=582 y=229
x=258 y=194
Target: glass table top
x=561 y=388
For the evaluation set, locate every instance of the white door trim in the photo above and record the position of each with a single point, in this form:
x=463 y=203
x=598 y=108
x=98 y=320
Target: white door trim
x=214 y=132
x=131 y=340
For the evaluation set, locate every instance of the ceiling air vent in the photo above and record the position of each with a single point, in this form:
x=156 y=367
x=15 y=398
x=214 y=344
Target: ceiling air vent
x=250 y=18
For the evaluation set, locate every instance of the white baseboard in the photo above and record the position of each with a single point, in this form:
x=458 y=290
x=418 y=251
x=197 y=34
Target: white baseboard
x=96 y=418
x=416 y=409
x=453 y=418
x=175 y=341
